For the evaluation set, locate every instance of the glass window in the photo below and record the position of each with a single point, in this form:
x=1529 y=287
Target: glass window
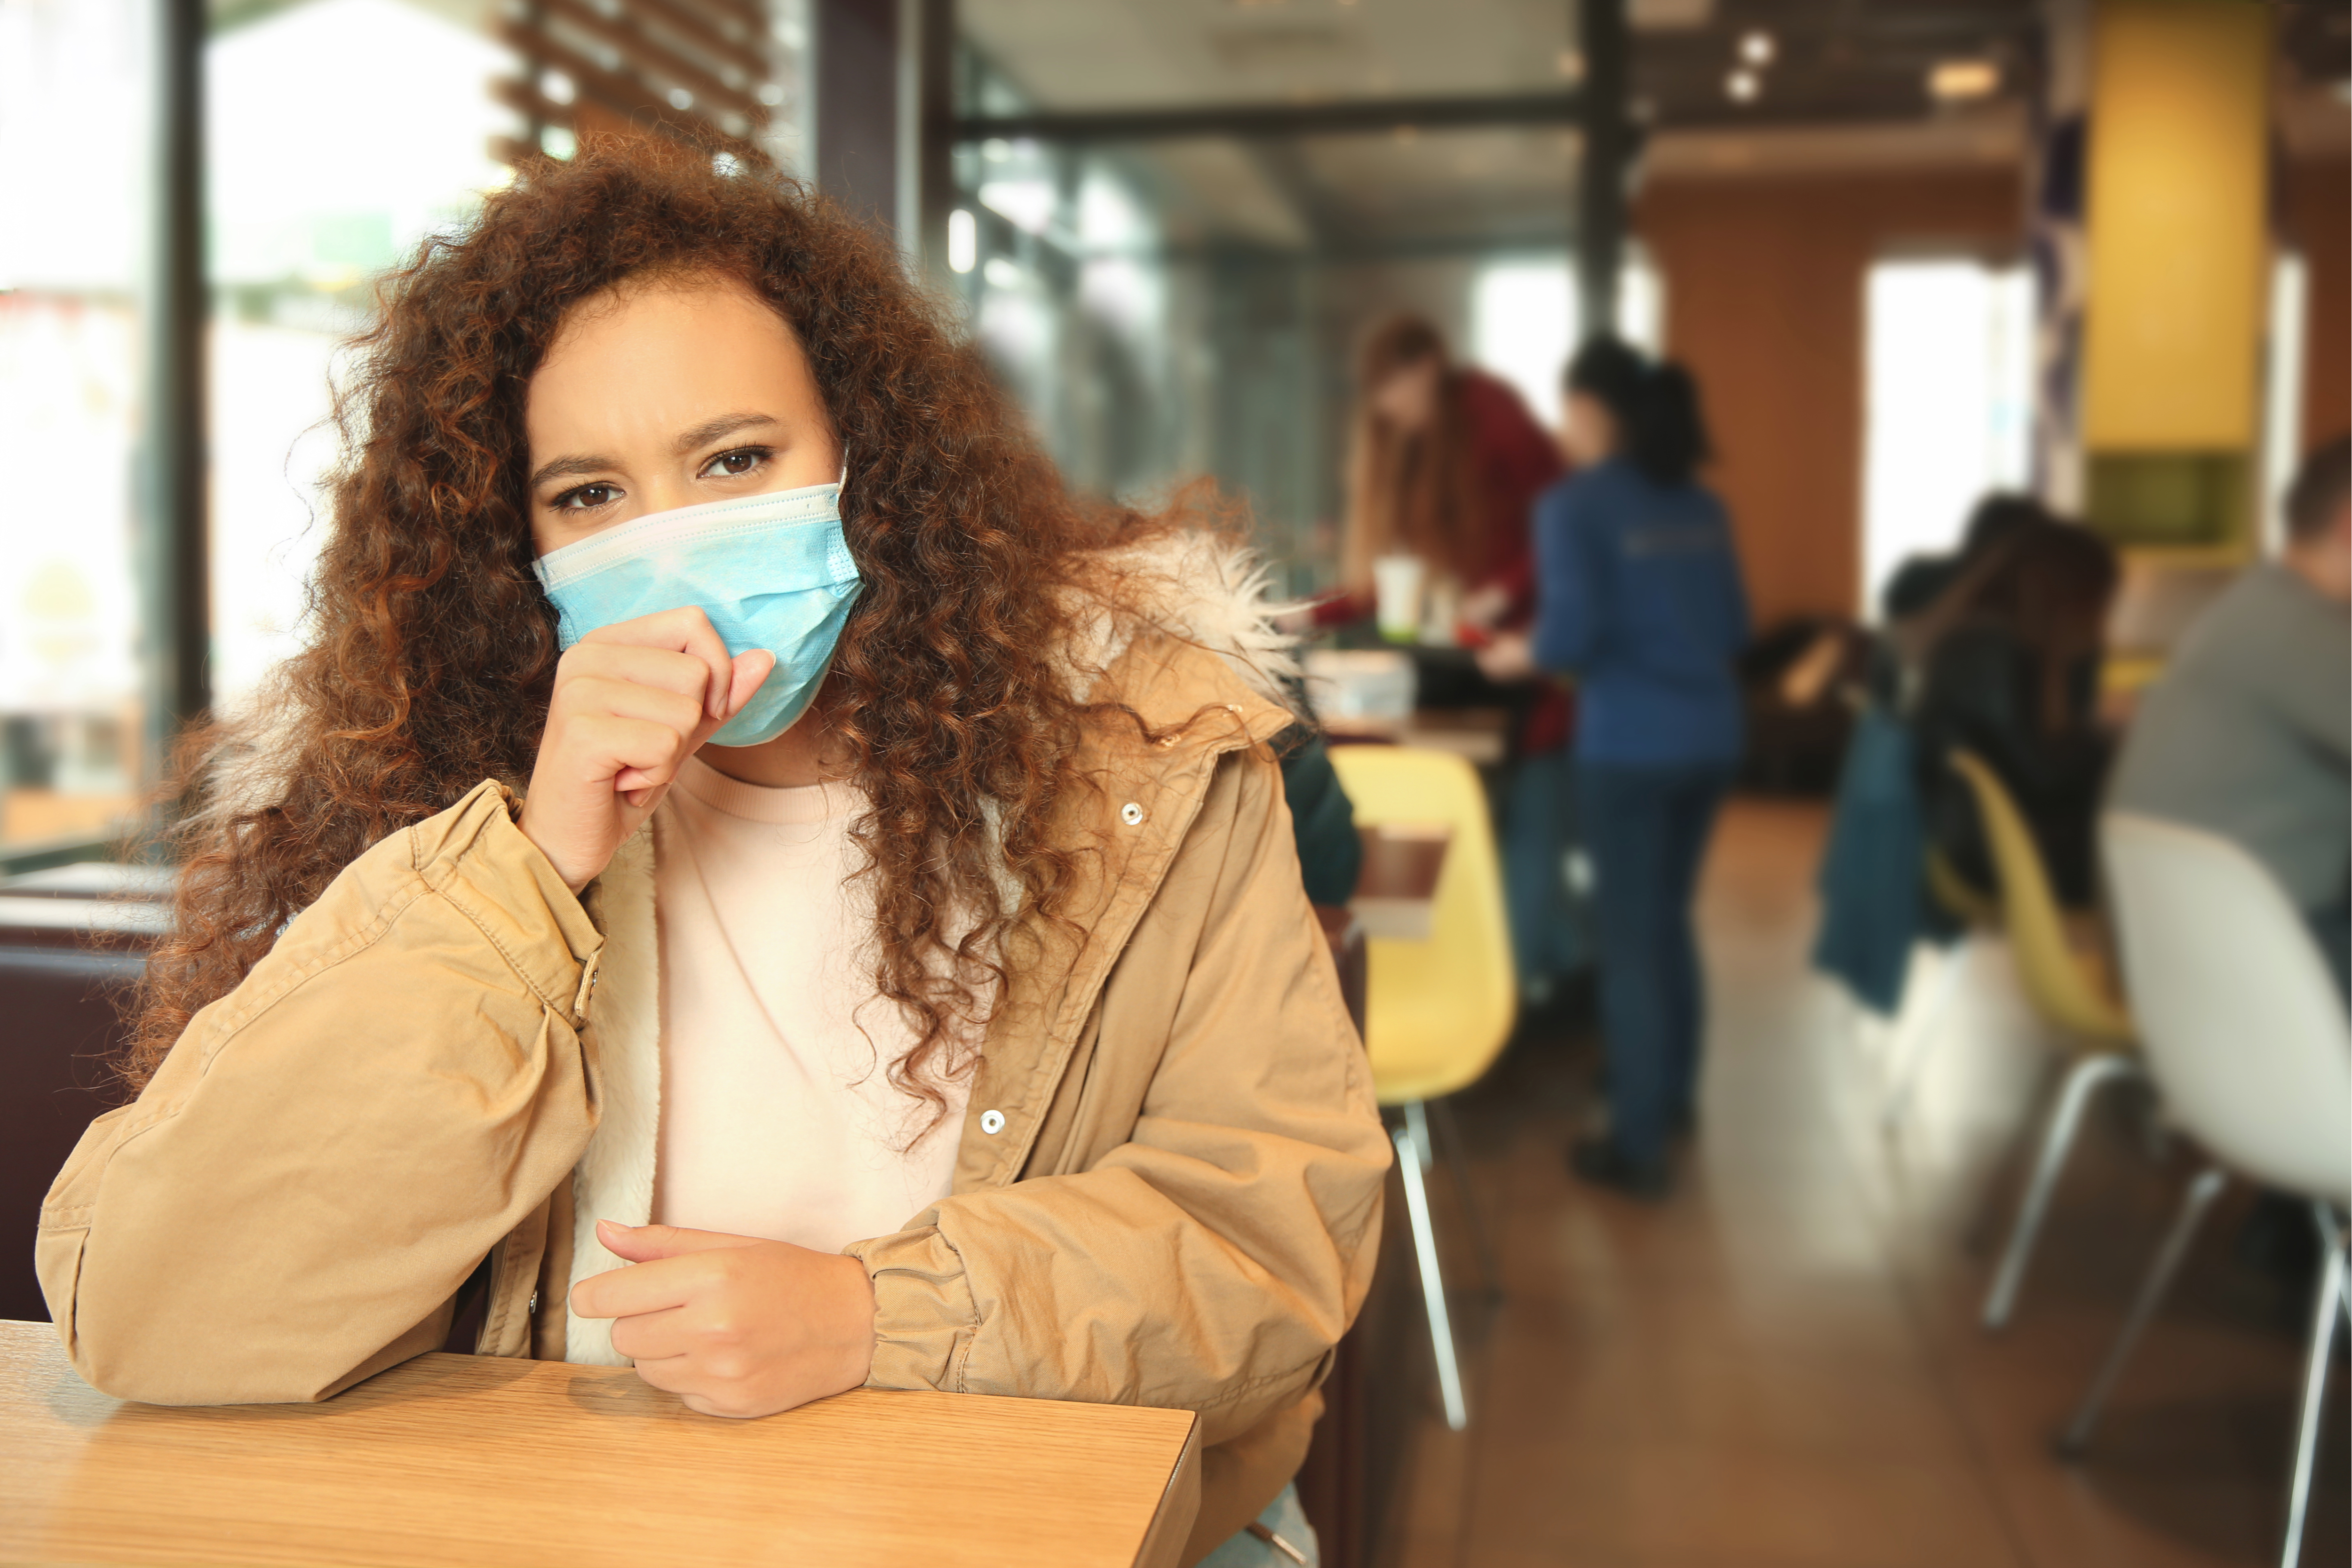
x=322 y=177
x=1524 y=321
x=2282 y=392
x=74 y=78
x=1947 y=403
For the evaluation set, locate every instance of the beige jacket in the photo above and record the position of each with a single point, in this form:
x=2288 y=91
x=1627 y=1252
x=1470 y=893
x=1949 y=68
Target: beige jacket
x=1168 y=1189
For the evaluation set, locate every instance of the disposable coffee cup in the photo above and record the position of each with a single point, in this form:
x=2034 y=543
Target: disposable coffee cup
x=1396 y=585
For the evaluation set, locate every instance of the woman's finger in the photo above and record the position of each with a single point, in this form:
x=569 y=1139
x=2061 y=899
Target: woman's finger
x=641 y=1287
x=653 y=1336
x=683 y=630
x=598 y=695
x=668 y=668
x=612 y=749
x=674 y=1375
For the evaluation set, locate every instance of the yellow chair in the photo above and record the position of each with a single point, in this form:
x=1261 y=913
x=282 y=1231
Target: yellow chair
x=2066 y=988
x=1436 y=1012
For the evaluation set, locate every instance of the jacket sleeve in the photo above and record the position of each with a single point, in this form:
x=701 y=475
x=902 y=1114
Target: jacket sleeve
x=331 y=1148
x=1323 y=820
x=1212 y=1260
x=1569 y=603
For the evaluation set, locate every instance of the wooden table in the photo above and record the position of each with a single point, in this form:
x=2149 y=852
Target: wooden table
x=466 y=1459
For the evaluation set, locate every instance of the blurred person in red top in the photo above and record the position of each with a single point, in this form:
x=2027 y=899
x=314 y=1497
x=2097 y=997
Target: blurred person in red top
x=1446 y=465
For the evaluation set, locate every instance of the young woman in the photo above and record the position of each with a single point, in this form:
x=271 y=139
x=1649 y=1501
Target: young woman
x=690 y=907
x=1640 y=597
x=2009 y=659
x=1446 y=465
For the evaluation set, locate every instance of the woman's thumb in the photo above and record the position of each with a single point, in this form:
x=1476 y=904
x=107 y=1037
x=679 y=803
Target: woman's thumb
x=752 y=671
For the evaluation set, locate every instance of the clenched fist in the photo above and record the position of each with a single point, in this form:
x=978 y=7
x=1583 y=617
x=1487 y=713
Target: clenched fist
x=632 y=702
x=734 y=1324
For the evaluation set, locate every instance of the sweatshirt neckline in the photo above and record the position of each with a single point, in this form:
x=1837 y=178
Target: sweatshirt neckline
x=767 y=803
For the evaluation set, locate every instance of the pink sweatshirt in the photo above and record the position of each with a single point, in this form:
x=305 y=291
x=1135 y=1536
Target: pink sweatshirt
x=778 y=1118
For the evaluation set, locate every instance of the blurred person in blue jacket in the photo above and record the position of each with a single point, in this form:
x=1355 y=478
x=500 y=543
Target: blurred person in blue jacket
x=1639 y=596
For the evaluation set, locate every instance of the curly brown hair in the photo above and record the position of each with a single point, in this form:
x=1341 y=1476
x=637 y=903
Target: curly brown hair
x=433 y=650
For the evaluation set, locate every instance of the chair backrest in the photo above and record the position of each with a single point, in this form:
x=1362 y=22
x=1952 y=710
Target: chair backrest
x=2054 y=977
x=1436 y=1012
x=2244 y=1030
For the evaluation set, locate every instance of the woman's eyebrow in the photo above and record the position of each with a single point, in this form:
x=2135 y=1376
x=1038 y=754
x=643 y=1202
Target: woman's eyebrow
x=571 y=467
x=710 y=430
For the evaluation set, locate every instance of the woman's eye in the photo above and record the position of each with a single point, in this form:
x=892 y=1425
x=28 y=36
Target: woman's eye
x=587 y=498
x=741 y=461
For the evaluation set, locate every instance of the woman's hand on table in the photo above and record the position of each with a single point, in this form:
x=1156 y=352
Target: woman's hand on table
x=732 y=1324
x=632 y=702
x=1485 y=607
x=1510 y=656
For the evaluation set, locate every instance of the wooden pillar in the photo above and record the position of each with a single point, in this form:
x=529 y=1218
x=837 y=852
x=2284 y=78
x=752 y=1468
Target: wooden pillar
x=2176 y=294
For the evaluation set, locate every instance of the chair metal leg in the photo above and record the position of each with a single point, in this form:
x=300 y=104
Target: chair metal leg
x=1412 y=1142
x=2324 y=1309
x=2193 y=1205
x=2083 y=1079
x=1457 y=1155
x=1911 y=1046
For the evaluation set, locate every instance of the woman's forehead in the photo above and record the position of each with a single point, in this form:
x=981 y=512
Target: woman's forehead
x=639 y=310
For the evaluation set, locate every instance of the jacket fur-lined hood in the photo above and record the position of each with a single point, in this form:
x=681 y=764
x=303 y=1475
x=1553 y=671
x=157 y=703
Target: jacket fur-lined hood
x=1196 y=587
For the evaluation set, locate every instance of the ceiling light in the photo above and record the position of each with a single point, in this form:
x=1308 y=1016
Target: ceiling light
x=1757 y=47
x=1742 y=86
x=1956 y=81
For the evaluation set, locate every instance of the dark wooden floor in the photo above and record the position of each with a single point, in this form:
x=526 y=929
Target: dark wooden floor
x=1781 y=1366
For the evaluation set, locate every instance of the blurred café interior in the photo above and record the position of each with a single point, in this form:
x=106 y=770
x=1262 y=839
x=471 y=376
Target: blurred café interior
x=2020 y=330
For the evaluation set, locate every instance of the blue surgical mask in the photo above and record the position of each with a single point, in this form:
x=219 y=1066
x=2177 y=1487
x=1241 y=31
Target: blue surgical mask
x=770 y=571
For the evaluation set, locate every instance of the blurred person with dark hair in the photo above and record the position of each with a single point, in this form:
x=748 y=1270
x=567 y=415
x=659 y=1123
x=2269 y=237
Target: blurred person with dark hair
x=2009 y=660
x=2248 y=732
x=1920 y=579
x=1639 y=597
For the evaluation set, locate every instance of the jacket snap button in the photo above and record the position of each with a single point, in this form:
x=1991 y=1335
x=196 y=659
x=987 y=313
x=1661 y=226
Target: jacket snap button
x=1130 y=814
x=991 y=1123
